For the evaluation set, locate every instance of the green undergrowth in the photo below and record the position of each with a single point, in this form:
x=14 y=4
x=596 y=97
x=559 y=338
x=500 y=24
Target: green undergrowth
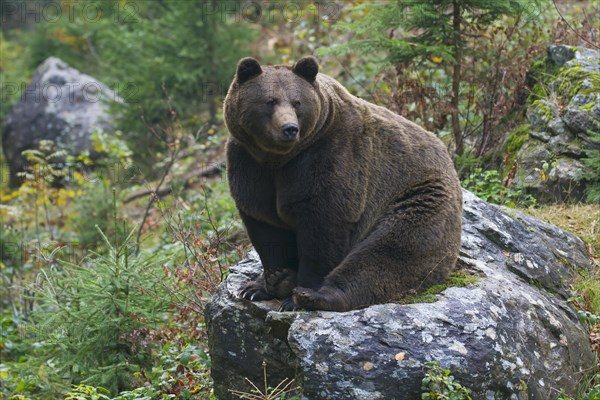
x=542 y=72
x=438 y=383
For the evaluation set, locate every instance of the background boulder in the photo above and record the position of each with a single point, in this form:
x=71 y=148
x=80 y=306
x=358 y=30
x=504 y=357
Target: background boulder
x=564 y=111
x=59 y=104
x=509 y=335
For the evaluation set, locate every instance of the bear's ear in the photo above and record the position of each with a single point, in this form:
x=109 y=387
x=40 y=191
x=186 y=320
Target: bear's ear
x=307 y=67
x=247 y=68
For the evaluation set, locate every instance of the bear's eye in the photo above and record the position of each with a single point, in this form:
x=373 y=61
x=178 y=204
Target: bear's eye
x=295 y=104
x=271 y=102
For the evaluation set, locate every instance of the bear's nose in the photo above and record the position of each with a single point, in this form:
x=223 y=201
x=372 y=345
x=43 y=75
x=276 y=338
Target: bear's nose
x=290 y=131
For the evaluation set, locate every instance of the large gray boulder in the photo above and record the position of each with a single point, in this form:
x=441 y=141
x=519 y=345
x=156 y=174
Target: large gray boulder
x=564 y=111
x=510 y=335
x=59 y=104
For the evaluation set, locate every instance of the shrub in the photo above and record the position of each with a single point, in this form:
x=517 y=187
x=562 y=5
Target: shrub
x=94 y=319
x=95 y=208
x=488 y=185
x=438 y=384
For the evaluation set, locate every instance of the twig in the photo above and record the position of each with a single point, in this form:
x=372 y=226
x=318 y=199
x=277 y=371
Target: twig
x=154 y=198
x=94 y=53
x=167 y=170
x=571 y=27
x=187 y=179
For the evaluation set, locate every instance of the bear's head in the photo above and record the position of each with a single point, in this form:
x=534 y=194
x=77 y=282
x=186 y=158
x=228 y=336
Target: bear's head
x=273 y=110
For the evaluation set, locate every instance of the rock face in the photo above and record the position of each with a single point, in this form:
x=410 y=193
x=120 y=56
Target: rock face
x=59 y=104
x=510 y=335
x=565 y=109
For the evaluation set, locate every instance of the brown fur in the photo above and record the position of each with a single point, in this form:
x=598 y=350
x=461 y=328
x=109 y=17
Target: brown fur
x=362 y=207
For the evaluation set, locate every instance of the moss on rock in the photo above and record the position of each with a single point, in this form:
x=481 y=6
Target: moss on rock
x=456 y=279
x=516 y=138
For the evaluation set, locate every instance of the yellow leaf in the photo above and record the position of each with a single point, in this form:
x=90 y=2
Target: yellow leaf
x=386 y=88
x=42 y=372
x=400 y=356
x=436 y=59
x=99 y=147
x=7 y=197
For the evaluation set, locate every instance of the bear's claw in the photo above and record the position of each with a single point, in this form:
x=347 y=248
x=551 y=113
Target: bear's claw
x=288 y=305
x=254 y=291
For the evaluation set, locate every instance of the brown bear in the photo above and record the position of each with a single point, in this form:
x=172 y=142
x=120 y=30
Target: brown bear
x=346 y=203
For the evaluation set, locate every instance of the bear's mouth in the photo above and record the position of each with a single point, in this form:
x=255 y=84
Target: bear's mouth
x=277 y=149
x=277 y=143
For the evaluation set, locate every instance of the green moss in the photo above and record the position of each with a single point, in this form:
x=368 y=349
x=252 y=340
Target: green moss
x=423 y=298
x=514 y=142
x=594 y=78
x=456 y=279
x=568 y=80
x=539 y=91
x=543 y=72
x=544 y=109
x=516 y=138
x=587 y=107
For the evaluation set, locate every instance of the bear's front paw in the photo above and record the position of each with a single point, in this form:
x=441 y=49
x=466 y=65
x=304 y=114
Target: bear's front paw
x=325 y=299
x=280 y=282
x=255 y=291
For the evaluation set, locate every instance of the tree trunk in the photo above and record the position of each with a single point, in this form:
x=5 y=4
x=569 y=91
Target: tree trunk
x=211 y=95
x=456 y=75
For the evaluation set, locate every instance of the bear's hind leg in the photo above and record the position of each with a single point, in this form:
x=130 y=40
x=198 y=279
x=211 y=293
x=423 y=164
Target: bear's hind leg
x=326 y=299
x=406 y=252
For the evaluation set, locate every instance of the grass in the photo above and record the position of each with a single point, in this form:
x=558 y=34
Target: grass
x=584 y=221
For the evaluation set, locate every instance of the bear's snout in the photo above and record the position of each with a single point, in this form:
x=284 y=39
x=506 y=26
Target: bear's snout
x=290 y=131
